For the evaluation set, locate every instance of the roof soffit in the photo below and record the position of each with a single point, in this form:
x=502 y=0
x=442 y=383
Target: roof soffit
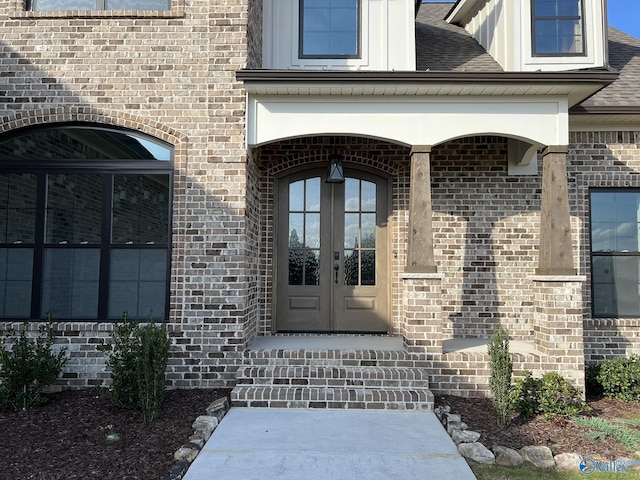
x=464 y=10
x=576 y=86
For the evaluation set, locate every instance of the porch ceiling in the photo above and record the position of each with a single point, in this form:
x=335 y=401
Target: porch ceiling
x=576 y=86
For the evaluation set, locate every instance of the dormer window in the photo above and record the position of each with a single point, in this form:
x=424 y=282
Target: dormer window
x=557 y=27
x=329 y=29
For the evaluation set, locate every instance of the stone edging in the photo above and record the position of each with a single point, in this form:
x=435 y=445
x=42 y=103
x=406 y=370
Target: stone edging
x=203 y=427
x=533 y=455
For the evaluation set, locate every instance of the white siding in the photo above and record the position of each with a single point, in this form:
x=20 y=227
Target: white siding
x=388 y=38
x=503 y=28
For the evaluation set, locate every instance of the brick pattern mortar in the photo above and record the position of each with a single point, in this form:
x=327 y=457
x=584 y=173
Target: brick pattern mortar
x=170 y=75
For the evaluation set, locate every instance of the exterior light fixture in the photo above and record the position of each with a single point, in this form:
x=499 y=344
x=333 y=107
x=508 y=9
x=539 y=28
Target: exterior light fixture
x=336 y=171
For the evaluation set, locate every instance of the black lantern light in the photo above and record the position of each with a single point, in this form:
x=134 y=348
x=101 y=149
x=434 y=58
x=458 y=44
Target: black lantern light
x=336 y=171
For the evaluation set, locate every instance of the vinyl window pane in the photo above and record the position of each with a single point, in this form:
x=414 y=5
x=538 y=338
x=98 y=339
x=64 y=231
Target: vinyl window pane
x=558 y=36
x=74 y=209
x=16 y=266
x=615 y=222
x=71 y=282
x=616 y=286
x=329 y=28
x=138 y=5
x=557 y=8
x=17 y=208
x=138 y=283
x=140 y=209
x=51 y=5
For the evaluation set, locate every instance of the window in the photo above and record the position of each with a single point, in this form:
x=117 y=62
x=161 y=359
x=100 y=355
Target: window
x=557 y=27
x=329 y=29
x=615 y=253
x=57 y=5
x=84 y=224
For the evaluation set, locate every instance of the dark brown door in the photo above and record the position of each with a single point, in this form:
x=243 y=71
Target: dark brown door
x=331 y=254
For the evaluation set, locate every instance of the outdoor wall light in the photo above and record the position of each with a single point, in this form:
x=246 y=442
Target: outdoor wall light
x=336 y=171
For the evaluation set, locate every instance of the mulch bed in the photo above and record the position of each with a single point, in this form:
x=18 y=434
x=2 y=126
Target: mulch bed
x=559 y=434
x=67 y=437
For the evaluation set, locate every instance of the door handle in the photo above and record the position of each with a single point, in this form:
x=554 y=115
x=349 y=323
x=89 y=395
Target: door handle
x=336 y=267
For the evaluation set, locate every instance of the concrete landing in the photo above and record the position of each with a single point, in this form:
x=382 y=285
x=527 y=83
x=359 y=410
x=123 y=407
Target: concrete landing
x=328 y=342
x=322 y=444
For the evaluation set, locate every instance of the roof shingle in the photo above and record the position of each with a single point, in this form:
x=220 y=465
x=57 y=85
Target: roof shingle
x=624 y=56
x=441 y=46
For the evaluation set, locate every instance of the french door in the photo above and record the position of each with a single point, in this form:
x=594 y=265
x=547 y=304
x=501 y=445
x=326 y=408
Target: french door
x=331 y=253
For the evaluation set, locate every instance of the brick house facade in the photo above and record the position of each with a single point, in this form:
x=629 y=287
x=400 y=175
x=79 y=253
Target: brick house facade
x=206 y=80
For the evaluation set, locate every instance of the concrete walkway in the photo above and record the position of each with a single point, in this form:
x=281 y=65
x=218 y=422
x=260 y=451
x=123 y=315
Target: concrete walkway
x=324 y=444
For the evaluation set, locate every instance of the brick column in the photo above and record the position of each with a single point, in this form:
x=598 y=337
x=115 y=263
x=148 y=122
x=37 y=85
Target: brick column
x=420 y=257
x=422 y=309
x=558 y=327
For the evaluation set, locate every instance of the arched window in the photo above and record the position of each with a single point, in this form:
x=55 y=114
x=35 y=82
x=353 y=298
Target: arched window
x=85 y=223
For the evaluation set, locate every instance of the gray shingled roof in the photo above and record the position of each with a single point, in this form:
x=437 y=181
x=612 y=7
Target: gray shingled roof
x=444 y=47
x=624 y=56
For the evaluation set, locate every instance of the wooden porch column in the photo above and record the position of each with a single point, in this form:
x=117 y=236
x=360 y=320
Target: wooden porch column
x=421 y=258
x=556 y=248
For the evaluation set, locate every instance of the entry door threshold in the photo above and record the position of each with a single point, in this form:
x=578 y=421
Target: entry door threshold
x=327 y=342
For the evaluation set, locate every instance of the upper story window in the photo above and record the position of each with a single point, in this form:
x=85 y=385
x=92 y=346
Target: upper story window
x=58 y=5
x=329 y=28
x=557 y=27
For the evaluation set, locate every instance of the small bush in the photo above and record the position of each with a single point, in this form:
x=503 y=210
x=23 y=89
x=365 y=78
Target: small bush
x=29 y=366
x=620 y=378
x=525 y=396
x=152 y=364
x=138 y=356
x=550 y=395
x=501 y=367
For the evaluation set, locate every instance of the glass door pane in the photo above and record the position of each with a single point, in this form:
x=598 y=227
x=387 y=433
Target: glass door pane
x=304 y=232
x=359 y=232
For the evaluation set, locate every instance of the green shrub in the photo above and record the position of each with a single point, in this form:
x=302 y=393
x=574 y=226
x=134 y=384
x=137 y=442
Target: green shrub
x=620 y=378
x=550 y=395
x=559 y=397
x=526 y=395
x=29 y=366
x=137 y=357
x=151 y=367
x=501 y=367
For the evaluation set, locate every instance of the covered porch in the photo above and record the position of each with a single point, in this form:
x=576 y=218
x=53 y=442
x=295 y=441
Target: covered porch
x=480 y=228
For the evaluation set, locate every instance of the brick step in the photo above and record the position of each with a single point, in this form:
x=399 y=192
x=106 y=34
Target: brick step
x=334 y=376
x=339 y=358
x=323 y=397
